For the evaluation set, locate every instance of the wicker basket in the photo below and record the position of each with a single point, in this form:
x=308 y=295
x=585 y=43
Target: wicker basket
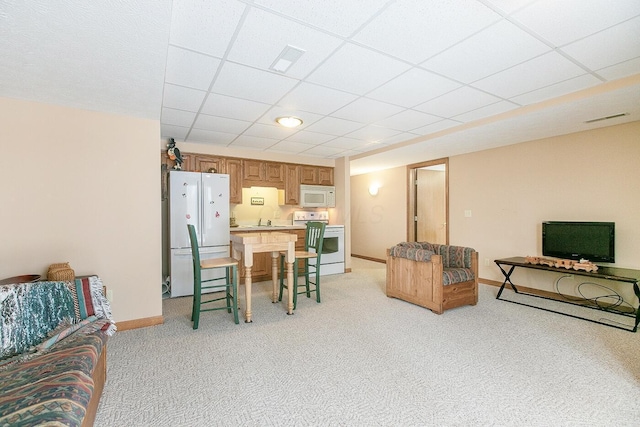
x=60 y=272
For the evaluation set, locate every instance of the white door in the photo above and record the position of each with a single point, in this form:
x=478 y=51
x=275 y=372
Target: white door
x=181 y=280
x=184 y=206
x=215 y=210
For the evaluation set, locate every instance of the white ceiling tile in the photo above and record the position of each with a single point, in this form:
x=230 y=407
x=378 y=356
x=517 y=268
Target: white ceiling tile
x=413 y=87
x=316 y=99
x=398 y=138
x=177 y=117
x=235 y=108
x=219 y=138
x=558 y=89
x=186 y=68
x=220 y=124
x=171 y=131
x=623 y=69
x=436 y=127
x=347 y=143
x=205 y=26
x=365 y=110
x=608 y=47
x=338 y=16
x=253 y=48
x=372 y=133
x=407 y=120
x=562 y=22
x=509 y=6
x=312 y=138
x=357 y=70
x=289 y=147
x=486 y=111
x=334 y=126
x=323 y=151
x=253 y=142
x=457 y=102
x=539 y=72
x=494 y=49
x=250 y=83
x=414 y=30
x=269 y=131
x=269 y=118
x=182 y=98
x=89 y=55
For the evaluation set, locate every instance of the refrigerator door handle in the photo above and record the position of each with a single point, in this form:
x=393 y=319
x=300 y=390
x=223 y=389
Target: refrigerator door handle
x=201 y=241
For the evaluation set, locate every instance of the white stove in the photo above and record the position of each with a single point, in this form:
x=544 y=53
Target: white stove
x=332 y=259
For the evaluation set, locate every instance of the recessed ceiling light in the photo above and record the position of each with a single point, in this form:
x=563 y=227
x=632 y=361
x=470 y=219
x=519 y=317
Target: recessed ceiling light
x=289 y=121
x=286 y=59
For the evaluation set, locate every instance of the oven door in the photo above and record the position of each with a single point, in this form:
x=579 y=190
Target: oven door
x=333 y=246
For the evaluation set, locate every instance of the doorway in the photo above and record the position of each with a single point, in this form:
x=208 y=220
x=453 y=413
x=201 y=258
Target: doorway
x=428 y=211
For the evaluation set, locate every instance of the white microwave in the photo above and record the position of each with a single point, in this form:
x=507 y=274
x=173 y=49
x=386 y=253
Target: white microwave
x=317 y=196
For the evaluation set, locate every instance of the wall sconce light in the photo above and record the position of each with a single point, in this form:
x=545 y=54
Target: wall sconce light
x=289 y=121
x=373 y=189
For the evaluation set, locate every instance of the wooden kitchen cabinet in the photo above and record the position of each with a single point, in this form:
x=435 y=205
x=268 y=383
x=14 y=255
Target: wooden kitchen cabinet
x=316 y=175
x=260 y=173
x=204 y=163
x=325 y=176
x=233 y=167
x=291 y=184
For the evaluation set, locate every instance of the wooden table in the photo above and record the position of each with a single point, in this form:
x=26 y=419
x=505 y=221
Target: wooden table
x=270 y=241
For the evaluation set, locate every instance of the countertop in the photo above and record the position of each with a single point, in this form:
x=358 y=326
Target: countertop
x=246 y=228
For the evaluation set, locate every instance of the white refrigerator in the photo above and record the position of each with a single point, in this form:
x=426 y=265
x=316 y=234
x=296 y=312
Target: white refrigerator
x=201 y=199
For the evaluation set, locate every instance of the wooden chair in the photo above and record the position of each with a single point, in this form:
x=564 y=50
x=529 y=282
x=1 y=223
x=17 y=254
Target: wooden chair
x=314 y=238
x=438 y=277
x=230 y=287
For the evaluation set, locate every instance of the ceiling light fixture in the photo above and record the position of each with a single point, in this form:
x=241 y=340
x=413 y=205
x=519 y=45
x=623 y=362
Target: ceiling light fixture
x=286 y=59
x=289 y=121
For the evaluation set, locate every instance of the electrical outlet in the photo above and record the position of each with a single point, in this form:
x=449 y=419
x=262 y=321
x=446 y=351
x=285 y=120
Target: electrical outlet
x=487 y=262
x=110 y=295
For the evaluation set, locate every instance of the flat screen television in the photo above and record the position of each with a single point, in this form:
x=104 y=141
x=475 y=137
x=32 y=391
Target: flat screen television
x=593 y=241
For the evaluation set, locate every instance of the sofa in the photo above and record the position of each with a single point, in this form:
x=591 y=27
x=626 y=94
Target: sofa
x=438 y=277
x=53 y=338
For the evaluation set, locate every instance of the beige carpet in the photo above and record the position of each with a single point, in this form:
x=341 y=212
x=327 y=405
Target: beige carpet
x=362 y=359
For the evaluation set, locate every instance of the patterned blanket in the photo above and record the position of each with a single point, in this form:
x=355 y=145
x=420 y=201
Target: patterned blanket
x=51 y=336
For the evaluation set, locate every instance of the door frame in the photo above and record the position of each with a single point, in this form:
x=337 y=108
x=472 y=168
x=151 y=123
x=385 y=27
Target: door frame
x=411 y=194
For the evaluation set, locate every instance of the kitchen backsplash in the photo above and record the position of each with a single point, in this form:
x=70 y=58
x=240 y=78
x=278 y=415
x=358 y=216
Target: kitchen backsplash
x=271 y=210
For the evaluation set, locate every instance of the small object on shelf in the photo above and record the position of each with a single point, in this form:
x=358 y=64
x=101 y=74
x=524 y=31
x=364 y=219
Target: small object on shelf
x=61 y=271
x=585 y=265
x=565 y=263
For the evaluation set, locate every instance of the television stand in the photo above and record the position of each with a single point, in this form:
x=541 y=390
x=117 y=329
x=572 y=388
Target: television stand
x=623 y=275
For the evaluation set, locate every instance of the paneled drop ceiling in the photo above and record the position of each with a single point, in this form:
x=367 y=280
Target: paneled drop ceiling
x=382 y=82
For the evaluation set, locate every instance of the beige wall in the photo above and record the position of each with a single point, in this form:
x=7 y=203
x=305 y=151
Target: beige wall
x=588 y=176
x=585 y=176
x=378 y=222
x=82 y=187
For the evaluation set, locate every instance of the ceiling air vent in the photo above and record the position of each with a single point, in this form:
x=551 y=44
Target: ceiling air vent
x=607 y=117
x=286 y=59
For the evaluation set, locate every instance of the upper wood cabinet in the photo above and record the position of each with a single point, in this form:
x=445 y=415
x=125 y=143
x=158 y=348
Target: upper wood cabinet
x=205 y=163
x=325 y=175
x=234 y=168
x=291 y=184
x=260 y=173
x=316 y=175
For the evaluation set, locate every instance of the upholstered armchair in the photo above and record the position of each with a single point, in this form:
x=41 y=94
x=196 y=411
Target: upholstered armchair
x=438 y=277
